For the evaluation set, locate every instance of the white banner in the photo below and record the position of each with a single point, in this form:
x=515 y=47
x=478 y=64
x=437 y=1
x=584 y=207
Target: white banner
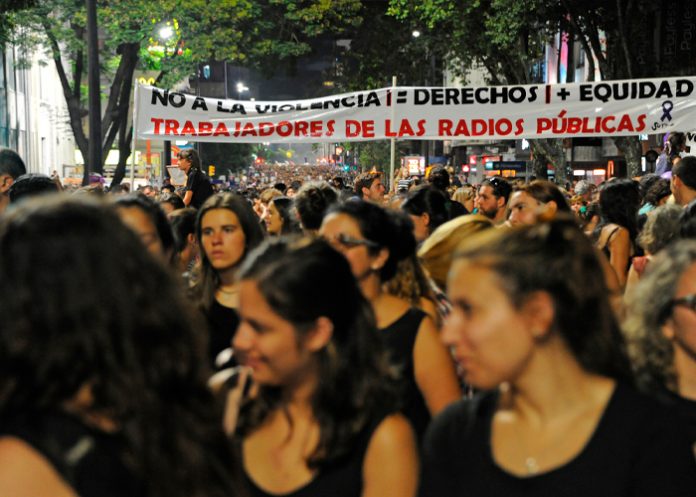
x=607 y=108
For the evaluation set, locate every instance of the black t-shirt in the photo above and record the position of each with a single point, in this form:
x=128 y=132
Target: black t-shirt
x=639 y=449
x=200 y=185
x=222 y=323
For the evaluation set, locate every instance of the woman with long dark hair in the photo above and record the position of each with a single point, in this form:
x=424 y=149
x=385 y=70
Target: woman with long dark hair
x=616 y=232
x=532 y=329
x=102 y=372
x=374 y=240
x=281 y=218
x=323 y=421
x=428 y=208
x=147 y=219
x=227 y=230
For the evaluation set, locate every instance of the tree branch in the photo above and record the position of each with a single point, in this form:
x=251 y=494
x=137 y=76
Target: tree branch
x=586 y=47
x=72 y=101
x=79 y=62
x=622 y=34
x=120 y=120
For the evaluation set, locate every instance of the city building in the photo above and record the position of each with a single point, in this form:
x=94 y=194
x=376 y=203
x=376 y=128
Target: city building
x=33 y=114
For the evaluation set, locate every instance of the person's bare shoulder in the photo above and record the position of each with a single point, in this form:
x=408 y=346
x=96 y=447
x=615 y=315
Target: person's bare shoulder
x=24 y=472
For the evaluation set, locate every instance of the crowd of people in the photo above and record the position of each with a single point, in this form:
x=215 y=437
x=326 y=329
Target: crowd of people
x=312 y=337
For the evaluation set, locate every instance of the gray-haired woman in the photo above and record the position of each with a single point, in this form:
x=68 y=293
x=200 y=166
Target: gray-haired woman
x=660 y=229
x=660 y=328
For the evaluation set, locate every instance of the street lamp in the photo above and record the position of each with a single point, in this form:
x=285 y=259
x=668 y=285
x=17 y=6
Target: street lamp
x=241 y=88
x=415 y=33
x=166 y=32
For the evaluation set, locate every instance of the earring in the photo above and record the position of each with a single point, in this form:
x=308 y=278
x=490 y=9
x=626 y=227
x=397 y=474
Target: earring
x=538 y=335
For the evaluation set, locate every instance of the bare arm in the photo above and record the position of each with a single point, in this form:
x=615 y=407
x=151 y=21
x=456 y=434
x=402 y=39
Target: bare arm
x=434 y=369
x=619 y=252
x=187 y=197
x=429 y=307
x=632 y=279
x=390 y=468
x=26 y=473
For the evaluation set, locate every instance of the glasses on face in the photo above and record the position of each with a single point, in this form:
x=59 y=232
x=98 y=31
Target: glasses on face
x=348 y=242
x=686 y=301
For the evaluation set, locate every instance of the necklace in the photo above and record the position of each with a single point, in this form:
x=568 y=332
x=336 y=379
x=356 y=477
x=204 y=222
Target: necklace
x=228 y=292
x=530 y=463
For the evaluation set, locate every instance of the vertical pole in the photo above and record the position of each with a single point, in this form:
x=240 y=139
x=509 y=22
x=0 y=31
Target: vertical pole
x=198 y=94
x=94 y=162
x=136 y=92
x=392 y=151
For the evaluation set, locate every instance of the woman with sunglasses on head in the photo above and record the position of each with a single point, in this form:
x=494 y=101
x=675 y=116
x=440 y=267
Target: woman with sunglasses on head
x=532 y=329
x=227 y=229
x=661 y=329
x=323 y=421
x=374 y=240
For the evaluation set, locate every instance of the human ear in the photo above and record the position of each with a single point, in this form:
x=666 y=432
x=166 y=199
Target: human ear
x=5 y=183
x=319 y=336
x=551 y=207
x=380 y=259
x=668 y=330
x=538 y=312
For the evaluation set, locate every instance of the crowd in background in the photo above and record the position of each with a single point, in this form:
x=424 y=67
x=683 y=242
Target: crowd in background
x=307 y=333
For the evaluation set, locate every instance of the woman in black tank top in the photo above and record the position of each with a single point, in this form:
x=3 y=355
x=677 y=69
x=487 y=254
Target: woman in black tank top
x=374 y=240
x=323 y=420
x=615 y=235
x=102 y=367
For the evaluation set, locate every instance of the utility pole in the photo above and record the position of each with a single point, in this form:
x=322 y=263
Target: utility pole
x=94 y=162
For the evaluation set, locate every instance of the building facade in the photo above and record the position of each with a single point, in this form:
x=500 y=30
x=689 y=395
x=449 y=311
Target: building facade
x=33 y=114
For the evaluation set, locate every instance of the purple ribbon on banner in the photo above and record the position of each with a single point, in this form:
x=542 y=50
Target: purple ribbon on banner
x=667 y=107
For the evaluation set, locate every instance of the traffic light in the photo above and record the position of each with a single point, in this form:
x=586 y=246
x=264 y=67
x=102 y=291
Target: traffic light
x=211 y=170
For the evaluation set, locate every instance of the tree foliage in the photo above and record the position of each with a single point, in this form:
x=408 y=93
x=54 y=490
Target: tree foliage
x=507 y=38
x=243 y=31
x=6 y=21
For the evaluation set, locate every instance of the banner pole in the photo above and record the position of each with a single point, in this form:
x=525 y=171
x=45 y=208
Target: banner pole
x=135 y=134
x=392 y=152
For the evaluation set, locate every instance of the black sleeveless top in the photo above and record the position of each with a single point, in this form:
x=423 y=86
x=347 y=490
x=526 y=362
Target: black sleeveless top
x=343 y=478
x=89 y=460
x=222 y=323
x=400 y=339
x=639 y=449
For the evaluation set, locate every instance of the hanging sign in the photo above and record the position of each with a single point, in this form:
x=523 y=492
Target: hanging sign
x=607 y=108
